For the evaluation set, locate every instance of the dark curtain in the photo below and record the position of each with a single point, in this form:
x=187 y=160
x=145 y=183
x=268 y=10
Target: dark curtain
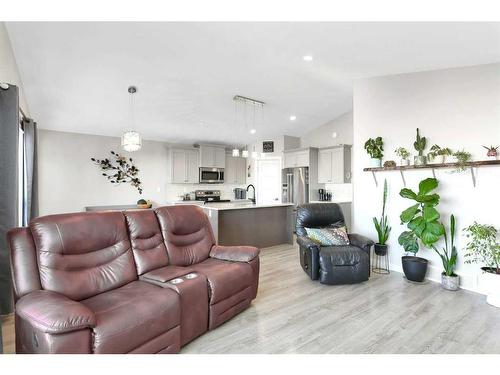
x=9 y=133
x=30 y=201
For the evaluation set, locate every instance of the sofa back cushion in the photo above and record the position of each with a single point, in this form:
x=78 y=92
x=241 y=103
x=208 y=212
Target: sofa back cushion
x=187 y=233
x=318 y=215
x=83 y=254
x=147 y=241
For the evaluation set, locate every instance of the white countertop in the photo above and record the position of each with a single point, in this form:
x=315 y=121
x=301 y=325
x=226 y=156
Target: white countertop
x=334 y=201
x=241 y=206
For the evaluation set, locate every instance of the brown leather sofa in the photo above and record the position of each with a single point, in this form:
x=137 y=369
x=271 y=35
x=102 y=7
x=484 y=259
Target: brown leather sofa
x=125 y=282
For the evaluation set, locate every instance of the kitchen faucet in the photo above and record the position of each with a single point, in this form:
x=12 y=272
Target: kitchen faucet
x=252 y=199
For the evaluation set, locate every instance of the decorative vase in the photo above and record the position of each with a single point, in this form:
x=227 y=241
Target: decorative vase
x=405 y=162
x=450 y=282
x=379 y=249
x=420 y=160
x=375 y=162
x=414 y=268
x=490 y=283
x=492 y=154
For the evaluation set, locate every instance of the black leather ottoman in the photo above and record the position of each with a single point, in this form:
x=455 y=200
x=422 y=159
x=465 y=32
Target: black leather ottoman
x=343 y=265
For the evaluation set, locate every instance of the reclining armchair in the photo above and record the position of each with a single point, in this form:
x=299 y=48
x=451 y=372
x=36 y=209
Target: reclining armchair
x=331 y=264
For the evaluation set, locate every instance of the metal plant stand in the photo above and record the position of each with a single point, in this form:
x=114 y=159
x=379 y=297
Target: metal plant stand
x=380 y=263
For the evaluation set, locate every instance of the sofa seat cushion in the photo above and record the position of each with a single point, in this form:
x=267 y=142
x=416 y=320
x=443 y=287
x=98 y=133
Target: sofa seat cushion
x=132 y=315
x=225 y=279
x=164 y=274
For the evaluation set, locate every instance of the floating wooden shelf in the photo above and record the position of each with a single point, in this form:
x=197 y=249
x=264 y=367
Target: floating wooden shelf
x=402 y=168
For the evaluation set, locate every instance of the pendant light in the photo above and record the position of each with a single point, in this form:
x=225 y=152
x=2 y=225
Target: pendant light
x=131 y=139
x=236 y=151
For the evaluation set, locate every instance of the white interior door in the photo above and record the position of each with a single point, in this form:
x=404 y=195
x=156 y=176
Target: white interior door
x=269 y=180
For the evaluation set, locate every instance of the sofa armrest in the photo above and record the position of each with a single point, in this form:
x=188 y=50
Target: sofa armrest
x=54 y=313
x=307 y=243
x=364 y=243
x=234 y=253
x=309 y=256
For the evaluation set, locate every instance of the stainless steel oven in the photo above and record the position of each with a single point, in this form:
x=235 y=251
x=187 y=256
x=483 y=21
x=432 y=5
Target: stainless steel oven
x=211 y=175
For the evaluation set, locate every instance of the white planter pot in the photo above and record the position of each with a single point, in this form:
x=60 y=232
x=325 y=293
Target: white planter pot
x=405 y=162
x=375 y=163
x=490 y=283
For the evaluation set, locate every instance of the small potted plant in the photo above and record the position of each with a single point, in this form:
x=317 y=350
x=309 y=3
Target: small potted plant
x=492 y=152
x=422 y=220
x=404 y=155
x=462 y=157
x=419 y=145
x=483 y=247
x=382 y=227
x=374 y=148
x=448 y=255
x=436 y=151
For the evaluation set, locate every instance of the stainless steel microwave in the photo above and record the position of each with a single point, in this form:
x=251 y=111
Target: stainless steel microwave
x=211 y=175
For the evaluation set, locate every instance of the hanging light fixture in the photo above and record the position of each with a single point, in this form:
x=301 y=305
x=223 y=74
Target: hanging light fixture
x=236 y=151
x=242 y=99
x=131 y=140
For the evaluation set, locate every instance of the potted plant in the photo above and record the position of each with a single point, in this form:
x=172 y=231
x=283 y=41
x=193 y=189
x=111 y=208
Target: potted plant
x=404 y=155
x=382 y=227
x=483 y=247
x=448 y=255
x=422 y=220
x=492 y=152
x=436 y=151
x=462 y=158
x=374 y=148
x=419 y=145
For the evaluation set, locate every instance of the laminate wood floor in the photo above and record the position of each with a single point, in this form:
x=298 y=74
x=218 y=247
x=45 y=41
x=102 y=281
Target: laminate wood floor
x=386 y=314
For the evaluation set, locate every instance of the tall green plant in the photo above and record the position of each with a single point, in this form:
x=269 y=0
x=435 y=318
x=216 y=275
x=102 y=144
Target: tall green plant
x=448 y=254
x=422 y=219
x=382 y=226
x=420 y=144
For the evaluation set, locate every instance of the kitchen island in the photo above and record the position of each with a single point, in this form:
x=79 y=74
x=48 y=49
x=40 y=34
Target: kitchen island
x=245 y=223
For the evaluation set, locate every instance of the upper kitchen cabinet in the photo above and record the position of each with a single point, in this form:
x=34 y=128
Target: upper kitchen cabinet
x=296 y=158
x=235 y=172
x=184 y=166
x=212 y=156
x=334 y=165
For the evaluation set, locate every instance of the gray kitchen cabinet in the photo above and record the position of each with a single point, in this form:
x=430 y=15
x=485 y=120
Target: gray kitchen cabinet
x=292 y=159
x=334 y=165
x=235 y=172
x=184 y=165
x=212 y=156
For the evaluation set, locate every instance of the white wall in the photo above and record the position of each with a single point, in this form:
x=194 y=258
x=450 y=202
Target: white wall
x=458 y=108
x=8 y=68
x=69 y=181
x=322 y=136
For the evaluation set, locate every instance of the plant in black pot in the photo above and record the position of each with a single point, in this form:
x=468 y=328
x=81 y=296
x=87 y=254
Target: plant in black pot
x=382 y=227
x=422 y=221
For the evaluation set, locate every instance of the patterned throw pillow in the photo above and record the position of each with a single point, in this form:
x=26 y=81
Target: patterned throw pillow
x=328 y=236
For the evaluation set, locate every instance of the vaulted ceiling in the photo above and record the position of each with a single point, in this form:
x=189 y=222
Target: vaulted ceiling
x=76 y=75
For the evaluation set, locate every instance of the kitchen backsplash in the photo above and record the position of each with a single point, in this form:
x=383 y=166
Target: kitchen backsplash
x=176 y=191
x=341 y=192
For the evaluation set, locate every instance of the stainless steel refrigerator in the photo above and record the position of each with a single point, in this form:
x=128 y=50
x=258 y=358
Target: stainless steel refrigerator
x=296 y=187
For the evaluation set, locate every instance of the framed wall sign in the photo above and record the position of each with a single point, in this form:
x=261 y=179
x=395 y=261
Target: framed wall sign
x=268 y=146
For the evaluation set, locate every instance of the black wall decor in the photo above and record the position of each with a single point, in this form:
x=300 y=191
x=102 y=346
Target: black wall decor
x=120 y=170
x=268 y=146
